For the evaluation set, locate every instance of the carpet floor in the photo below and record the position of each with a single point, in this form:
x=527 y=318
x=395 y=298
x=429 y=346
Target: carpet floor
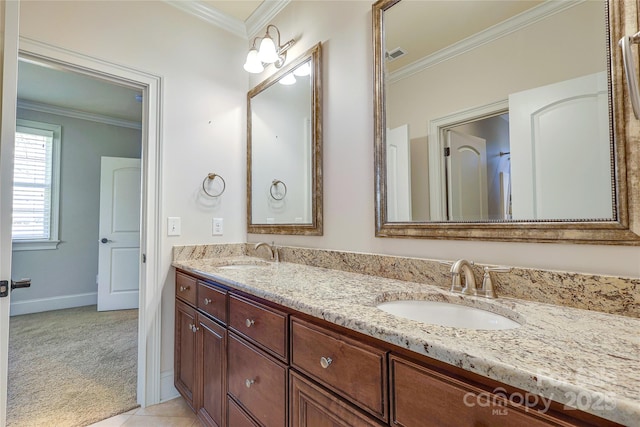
x=71 y=368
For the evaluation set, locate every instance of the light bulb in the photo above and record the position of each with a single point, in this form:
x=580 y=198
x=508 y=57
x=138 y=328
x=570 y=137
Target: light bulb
x=287 y=80
x=267 y=52
x=303 y=70
x=253 y=64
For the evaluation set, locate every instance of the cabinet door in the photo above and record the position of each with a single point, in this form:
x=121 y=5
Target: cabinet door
x=185 y=351
x=211 y=347
x=312 y=406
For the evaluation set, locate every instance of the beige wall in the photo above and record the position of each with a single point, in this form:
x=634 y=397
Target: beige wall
x=543 y=53
x=203 y=108
x=203 y=119
x=345 y=30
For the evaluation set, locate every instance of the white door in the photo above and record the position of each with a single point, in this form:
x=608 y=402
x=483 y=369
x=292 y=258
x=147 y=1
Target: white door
x=119 y=240
x=467 y=177
x=398 y=174
x=560 y=153
x=9 y=12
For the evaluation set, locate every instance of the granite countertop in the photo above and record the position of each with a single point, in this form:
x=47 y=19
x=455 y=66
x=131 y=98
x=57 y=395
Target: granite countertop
x=584 y=359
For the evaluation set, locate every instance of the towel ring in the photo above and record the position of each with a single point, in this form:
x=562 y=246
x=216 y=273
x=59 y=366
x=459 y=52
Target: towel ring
x=274 y=185
x=211 y=177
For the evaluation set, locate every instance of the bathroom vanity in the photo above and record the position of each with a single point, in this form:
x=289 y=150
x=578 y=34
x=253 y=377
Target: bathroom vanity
x=282 y=344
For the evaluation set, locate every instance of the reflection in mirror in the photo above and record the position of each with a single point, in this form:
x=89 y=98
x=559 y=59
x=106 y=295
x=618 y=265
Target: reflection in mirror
x=524 y=89
x=283 y=140
x=495 y=113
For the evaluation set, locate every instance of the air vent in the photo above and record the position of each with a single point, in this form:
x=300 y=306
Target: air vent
x=396 y=53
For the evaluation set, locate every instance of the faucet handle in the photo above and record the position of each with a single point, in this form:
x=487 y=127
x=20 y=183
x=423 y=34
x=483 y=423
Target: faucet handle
x=487 y=282
x=499 y=269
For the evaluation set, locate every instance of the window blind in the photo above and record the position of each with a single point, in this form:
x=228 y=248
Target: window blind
x=32 y=179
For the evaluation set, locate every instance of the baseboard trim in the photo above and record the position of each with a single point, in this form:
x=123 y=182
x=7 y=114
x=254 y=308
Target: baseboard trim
x=54 y=303
x=167 y=390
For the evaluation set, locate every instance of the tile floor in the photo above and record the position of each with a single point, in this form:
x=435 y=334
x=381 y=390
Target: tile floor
x=173 y=413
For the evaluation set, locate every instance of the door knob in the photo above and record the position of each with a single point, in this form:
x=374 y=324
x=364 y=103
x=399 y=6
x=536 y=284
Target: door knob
x=105 y=240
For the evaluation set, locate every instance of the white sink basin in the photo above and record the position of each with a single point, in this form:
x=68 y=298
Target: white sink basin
x=448 y=314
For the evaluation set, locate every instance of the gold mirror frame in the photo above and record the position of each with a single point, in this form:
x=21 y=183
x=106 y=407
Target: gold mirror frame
x=624 y=230
x=315 y=227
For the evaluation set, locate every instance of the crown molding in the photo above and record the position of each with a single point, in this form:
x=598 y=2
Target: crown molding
x=260 y=18
x=211 y=15
x=77 y=114
x=495 y=32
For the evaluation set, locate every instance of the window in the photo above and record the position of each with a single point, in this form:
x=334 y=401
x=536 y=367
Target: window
x=36 y=180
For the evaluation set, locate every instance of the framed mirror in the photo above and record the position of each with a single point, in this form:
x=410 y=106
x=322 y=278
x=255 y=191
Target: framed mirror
x=502 y=120
x=284 y=150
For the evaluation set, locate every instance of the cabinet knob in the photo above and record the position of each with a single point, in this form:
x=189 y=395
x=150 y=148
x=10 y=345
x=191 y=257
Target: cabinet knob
x=249 y=382
x=249 y=322
x=184 y=288
x=325 y=362
x=207 y=301
x=193 y=328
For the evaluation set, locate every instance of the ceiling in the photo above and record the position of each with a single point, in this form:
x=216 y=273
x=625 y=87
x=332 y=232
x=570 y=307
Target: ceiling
x=411 y=25
x=49 y=88
x=239 y=9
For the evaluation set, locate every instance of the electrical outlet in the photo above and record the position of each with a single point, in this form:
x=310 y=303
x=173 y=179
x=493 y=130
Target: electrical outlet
x=218 y=227
x=173 y=226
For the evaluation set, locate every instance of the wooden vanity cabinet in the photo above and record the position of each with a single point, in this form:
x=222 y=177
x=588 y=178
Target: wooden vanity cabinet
x=313 y=406
x=257 y=382
x=185 y=351
x=201 y=348
x=263 y=365
x=421 y=396
x=211 y=355
x=352 y=369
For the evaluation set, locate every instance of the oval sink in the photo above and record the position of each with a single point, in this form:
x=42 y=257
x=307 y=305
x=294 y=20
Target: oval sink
x=447 y=314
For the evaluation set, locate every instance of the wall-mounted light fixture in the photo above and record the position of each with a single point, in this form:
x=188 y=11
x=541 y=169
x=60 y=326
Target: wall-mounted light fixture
x=270 y=52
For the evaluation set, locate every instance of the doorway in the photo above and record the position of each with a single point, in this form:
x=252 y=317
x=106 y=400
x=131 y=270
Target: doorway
x=64 y=275
x=148 y=366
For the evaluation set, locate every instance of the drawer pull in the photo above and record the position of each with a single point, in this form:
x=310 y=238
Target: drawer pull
x=207 y=301
x=325 y=362
x=249 y=383
x=184 y=288
x=249 y=323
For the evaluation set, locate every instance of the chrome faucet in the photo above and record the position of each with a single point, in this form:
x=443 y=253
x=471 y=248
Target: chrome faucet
x=464 y=266
x=487 y=289
x=272 y=248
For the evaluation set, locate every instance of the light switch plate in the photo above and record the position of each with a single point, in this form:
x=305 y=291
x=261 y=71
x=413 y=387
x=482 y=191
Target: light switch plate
x=173 y=226
x=217 y=227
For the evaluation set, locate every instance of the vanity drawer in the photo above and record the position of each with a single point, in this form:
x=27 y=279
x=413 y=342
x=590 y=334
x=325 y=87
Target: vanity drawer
x=350 y=368
x=257 y=382
x=263 y=325
x=186 y=288
x=236 y=416
x=212 y=301
x=419 y=394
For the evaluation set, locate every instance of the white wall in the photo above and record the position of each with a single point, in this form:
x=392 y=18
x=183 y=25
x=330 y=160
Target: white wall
x=66 y=277
x=345 y=30
x=203 y=108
